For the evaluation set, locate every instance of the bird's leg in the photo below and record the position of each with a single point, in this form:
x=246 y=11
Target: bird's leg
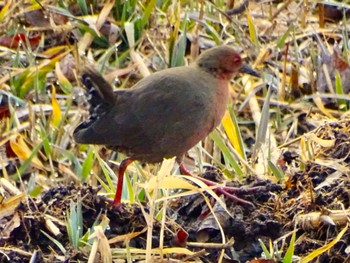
x=184 y=170
x=122 y=167
x=225 y=190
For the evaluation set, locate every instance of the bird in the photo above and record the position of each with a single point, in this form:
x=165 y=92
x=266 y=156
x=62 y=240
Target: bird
x=164 y=114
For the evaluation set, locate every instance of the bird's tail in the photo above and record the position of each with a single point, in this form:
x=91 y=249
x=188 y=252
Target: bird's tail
x=101 y=100
x=101 y=92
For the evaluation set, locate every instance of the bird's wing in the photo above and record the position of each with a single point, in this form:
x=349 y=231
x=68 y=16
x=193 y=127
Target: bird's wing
x=174 y=108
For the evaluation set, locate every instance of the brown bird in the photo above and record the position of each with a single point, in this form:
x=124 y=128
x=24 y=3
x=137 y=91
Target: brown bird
x=164 y=114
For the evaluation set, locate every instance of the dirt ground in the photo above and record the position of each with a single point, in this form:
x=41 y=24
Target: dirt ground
x=312 y=203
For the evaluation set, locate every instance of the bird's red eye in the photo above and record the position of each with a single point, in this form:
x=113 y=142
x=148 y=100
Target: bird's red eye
x=237 y=59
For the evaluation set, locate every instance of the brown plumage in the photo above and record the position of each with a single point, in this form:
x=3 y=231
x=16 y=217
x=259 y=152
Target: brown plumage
x=163 y=115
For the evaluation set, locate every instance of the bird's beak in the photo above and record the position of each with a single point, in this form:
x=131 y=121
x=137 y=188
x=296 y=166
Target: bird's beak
x=247 y=69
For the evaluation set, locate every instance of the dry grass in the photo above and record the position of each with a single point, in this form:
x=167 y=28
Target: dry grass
x=44 y=47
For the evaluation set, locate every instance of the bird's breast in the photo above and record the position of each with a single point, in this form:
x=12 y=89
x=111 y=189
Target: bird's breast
x=220 y=100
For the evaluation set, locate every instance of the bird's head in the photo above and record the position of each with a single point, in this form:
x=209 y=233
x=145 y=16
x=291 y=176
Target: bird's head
x=224 y=63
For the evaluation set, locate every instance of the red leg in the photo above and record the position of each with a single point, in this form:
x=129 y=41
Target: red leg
x=183 y=169
x=225 y=190
x=122 y=167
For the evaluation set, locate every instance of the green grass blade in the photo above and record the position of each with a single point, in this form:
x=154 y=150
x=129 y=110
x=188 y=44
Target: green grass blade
x=147 y=12
x=264 y=122
x=282 y=40
x=265 y=250
x=277 y=172
x=27 y=162
x=56 y=242
x=87 y=164
x=83 y=7
x=288 y=257
x=218 y=140
x=339 y=90
x=75 y=223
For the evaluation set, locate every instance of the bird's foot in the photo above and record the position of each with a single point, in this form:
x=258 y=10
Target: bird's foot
x=229 y=192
